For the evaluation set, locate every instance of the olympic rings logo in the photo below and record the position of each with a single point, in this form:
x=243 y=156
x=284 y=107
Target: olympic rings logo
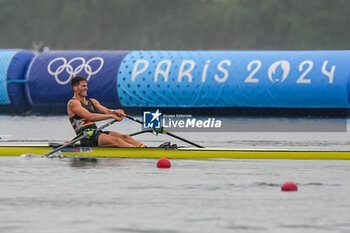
x=68 y=68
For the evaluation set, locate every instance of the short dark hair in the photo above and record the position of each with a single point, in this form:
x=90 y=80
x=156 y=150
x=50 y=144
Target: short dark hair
x=76 y=80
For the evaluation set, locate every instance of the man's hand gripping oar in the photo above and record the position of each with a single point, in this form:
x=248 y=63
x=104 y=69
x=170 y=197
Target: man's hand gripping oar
x=166 y=132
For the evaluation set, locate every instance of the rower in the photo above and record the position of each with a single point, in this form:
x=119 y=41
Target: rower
x=84 y=112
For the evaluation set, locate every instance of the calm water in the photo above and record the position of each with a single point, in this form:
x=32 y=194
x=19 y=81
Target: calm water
x=132 y=195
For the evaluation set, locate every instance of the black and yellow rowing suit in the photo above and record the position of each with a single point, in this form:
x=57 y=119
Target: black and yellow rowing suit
x=80 y=124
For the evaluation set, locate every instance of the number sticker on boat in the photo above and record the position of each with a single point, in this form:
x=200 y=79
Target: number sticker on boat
x=77 y=149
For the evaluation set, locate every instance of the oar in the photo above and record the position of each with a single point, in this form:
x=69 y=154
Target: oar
x=78 y=138
x=166 y=132
x=140 y=132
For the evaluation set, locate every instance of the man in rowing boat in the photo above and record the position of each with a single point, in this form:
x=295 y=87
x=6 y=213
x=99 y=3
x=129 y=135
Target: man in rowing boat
x=84 y=112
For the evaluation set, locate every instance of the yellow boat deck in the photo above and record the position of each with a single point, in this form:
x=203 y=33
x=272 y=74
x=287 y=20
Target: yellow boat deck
x=180 y=153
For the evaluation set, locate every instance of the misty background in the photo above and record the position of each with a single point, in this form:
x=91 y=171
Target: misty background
x=175 y=24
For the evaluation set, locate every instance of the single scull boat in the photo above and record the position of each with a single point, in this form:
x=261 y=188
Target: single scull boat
x=179 y=153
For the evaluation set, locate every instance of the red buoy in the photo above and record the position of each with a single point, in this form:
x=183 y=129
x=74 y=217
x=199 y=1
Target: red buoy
x=289 y=186
x=163 y=163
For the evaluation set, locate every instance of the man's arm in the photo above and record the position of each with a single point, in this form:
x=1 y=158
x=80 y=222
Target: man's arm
x=75 y=107
x=103 y=109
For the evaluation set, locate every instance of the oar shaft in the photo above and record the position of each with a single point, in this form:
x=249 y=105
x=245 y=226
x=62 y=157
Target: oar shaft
x=166 y=132
x=141 y=132
x=133 y=119
x=78 y=138
x=183 y=139
x=106 y=125
x=67 y=144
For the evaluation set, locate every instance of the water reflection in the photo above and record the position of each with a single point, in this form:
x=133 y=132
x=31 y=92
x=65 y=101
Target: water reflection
x=91 y=162
x=83 y=162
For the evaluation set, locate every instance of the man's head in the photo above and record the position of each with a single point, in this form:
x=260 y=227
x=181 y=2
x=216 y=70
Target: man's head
x=76 y=81
x=79 y=85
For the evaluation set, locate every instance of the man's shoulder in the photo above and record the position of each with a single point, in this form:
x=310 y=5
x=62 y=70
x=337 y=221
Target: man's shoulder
x=73 y=102
x=94 y=101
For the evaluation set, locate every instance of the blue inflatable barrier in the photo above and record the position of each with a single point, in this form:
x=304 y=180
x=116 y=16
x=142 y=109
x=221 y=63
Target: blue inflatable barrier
x=5 y=59
x=13 y=68
x=258 y=79
x=177 y=79
x=50 y=74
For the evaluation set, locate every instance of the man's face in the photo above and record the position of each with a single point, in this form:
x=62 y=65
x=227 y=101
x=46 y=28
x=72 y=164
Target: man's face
x=81 y=89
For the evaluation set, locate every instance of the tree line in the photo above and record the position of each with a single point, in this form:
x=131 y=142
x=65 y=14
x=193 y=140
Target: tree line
x=175 y=24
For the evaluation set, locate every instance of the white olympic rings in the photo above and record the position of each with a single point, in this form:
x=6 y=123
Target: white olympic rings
x=66 y=66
